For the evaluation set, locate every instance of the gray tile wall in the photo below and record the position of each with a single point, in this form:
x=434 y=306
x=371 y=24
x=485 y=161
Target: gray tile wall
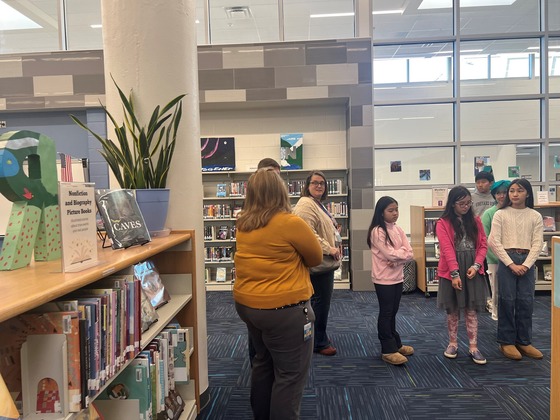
x=232 y=73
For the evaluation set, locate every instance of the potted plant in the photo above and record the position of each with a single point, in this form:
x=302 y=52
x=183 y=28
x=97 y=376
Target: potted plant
x=141 y=156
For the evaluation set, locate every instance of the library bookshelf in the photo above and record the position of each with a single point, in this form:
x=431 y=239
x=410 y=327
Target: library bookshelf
x=224 y=193
x=174 y=256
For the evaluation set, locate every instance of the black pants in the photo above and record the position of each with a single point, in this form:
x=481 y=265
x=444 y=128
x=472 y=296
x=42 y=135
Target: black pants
x=323 y=285
x=282 y=359
x=389 y=297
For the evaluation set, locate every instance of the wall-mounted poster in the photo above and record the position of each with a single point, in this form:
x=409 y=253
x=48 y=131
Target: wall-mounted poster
x=513 y=172
x=396 y=166
x=217 y=154
x=291 y=151
x=480 y=163
x=424 y=174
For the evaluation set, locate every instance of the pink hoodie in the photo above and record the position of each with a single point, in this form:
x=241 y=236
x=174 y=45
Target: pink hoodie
x=387 y=261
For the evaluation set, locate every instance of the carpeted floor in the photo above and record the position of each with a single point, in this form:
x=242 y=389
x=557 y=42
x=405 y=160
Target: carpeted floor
x=356 y=384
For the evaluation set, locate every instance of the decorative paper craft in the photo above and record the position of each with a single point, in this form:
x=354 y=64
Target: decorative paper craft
x=34 y=224
x=480 y=162
x=513 y=172
x=217 y=154
x=291 y=151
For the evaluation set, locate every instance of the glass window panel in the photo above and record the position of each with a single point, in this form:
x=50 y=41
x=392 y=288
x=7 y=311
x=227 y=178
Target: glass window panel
x=498 y=16
x=254 y=21
x=553 y=15
x=554 y=118
x=504 y=120
x=84 y=25
x=200 y=23
x=554 y=162
x=397 y=19
x=410 y=124
x=554 y=64
x=417 y=71
x=30 y=26
x=499 y=67
x=418 y=166
x=318 y=19
x=504 y=159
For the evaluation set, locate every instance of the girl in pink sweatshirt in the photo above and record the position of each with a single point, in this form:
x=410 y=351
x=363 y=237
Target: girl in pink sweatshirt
x=390 y=250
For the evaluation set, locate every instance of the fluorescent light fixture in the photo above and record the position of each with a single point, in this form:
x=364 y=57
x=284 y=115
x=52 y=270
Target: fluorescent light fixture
x=447 y=4
x=550 y=47
x=418 y=118
x=328 y=15
x=11 y=19
x=388 y=12
x=197 y=21
x=462 y=51
x=96 y=26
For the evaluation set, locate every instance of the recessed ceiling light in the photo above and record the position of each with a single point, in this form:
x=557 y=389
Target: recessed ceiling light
x=96 y=26
x=238 y=12
x=328 y=15
x=11 y=19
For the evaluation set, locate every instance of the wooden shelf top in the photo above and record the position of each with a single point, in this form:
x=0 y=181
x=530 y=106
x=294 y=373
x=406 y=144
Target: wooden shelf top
x=41 y=282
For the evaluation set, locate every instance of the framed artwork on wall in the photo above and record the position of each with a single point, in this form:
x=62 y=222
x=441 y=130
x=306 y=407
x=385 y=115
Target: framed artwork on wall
x=217 y=154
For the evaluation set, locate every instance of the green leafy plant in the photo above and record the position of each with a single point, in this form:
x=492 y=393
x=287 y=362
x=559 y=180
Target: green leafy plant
x=141 y=156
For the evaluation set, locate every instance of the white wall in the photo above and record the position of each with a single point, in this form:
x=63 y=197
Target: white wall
x=257 y=133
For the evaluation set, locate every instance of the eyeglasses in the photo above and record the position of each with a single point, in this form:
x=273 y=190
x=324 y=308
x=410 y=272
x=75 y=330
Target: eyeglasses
x=464 y=203
x=317 y=183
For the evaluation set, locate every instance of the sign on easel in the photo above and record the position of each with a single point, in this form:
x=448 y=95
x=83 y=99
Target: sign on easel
x=78 y=227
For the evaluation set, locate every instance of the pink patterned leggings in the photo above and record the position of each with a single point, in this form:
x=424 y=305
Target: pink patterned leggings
x=471 y=322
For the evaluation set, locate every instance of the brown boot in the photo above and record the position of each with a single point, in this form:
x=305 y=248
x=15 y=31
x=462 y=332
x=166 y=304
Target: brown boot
x=529 y=351
x=510 y=351
x=394 y=358
x=406 y=350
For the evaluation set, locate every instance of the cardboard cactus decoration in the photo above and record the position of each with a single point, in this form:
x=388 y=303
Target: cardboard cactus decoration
x=34 y=223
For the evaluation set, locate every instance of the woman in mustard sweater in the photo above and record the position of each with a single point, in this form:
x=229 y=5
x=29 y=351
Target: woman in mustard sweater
x=272 y=292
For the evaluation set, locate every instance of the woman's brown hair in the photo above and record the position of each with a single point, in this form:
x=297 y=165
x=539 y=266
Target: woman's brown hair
x=266 y=196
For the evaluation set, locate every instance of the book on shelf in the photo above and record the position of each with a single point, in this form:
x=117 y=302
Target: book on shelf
x=549 y=224
x=221 y=274
x=430 y=227
x=547 y=270
x=432 y=277
x=122 y=218
x=223 y=232
x=132 y=383
x=436 y=250
x=150 y=280
x=221 y=190
x=238 y=189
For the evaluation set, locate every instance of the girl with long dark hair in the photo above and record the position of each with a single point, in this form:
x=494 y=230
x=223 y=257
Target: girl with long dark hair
x=462 y=286
x=516 y=238
x=390 y=250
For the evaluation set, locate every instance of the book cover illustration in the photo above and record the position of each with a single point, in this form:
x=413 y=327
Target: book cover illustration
x=291 y=151
x=14 y=332
x=217 y=154
x=122 y=218
x=151 y=282
x=133 y=383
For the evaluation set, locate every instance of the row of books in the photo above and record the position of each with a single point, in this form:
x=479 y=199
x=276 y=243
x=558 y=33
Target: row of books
x=102 y=328
x=217 y=211
x=220 y=233
x=239 y=189
x=218 y=253
x=432 y=276
x=337 y=209
x=151 y=378
x=430 y=227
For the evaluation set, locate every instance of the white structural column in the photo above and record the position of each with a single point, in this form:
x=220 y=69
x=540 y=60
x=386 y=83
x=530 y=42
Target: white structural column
x=150 y=47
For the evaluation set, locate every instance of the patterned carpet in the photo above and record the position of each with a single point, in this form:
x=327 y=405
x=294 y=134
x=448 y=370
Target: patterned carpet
x=355 y=384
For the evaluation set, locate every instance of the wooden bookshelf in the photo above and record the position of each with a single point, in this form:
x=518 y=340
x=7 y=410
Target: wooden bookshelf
x=174 y=256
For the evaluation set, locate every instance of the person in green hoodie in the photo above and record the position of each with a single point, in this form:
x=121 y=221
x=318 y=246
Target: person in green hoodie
x=499 y=191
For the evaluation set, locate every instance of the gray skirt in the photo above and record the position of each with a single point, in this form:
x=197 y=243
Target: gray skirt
x=475 y=291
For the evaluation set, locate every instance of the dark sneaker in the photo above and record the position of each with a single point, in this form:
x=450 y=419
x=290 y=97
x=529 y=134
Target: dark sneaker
x=477 y=357
x=451 y=351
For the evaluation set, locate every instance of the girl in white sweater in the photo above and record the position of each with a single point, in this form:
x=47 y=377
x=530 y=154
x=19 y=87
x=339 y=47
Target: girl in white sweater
x=516 y=238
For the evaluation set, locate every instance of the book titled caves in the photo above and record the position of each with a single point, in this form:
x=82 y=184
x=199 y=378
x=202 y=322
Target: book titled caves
x=122 y=218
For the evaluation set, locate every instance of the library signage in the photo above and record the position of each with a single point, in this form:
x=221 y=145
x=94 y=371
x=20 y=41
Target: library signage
x=78 y=227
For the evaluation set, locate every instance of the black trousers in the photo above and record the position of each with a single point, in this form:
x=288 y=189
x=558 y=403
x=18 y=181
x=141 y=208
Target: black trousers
x=389 y=297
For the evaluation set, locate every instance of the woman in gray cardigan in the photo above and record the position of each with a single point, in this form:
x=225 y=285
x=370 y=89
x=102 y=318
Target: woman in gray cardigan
x=311 y=209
